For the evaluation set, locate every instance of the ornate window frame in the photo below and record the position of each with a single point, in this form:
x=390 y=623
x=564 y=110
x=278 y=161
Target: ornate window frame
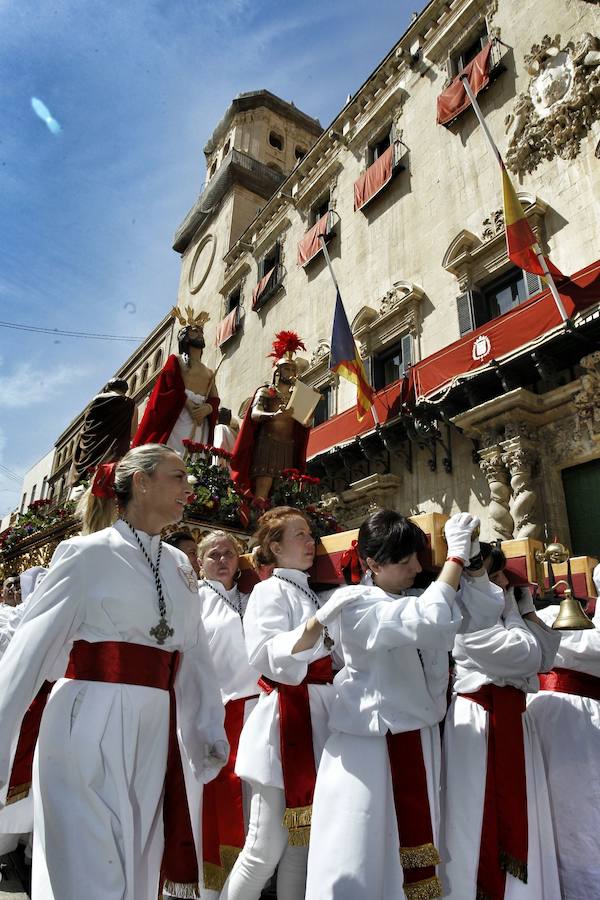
x=398 y=315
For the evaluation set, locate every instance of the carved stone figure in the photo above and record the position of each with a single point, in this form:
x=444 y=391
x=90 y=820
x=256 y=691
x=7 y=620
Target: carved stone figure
x=493 y=467
x=560 y=106
x=586 y=402
x=520 y=461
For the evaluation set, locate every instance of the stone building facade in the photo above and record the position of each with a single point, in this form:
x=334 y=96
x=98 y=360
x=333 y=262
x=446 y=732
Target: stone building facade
x=421 y=262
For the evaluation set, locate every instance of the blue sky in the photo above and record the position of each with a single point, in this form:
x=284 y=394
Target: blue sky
x=87 y=216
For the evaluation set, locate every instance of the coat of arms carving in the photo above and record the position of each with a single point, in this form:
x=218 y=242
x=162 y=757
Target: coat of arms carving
x=560 y=106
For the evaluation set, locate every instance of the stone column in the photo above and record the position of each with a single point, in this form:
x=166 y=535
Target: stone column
x=520 y=460
x=493 y=467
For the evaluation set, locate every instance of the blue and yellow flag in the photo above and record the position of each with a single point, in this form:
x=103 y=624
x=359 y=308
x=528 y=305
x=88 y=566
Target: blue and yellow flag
x=345 y=359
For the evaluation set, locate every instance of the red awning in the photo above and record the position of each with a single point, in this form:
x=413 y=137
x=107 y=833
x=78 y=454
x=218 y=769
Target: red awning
x=374 y=179
x=260 y=287
x=345 y=426
x=227 y=327
x=454 y=99
x=522 y=327
x=310 y=244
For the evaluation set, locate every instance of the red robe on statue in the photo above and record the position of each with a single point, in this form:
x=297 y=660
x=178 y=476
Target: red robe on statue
x=241 y=455
x=164 y=405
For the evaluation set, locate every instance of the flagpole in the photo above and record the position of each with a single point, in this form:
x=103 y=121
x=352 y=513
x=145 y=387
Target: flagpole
x=541 y=258
x=337 y=288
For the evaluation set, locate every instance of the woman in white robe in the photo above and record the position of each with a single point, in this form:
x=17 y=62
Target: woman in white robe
x=16 y=819
x=391 y=692
x=101 y=758
x=506 y=651
x=223 y=607
x=568 y=725
x=283 y=638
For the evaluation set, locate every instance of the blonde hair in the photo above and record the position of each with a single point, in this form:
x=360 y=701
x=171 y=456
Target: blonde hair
x=97 y=513
x=209 y=539
x=270 y=528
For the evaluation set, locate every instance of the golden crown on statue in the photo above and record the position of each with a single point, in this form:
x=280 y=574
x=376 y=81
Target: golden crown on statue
x=188 y=318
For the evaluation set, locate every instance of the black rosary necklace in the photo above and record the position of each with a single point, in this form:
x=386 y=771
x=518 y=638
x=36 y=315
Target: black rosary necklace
x=162 y=630
x=327 y=639
x=238 y=609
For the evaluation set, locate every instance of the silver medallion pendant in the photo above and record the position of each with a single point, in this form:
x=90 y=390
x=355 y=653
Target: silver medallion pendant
x=328 y=641
x=161 y=631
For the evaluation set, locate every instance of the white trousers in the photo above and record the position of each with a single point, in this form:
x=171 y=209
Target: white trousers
x=266 y=846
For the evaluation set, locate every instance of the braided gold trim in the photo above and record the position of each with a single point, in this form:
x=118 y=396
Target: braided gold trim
x=18 y=792
x=228 y=857
x=428 y=889
x=420 y=856
x=213 y=877
x=299 y=837
x=297 y=817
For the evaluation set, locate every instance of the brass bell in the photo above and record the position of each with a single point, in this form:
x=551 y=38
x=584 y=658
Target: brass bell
x=571 y=615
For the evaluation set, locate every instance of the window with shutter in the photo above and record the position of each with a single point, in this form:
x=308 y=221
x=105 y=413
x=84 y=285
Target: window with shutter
x=406 y=347
x=533 y=283
x=466 y=312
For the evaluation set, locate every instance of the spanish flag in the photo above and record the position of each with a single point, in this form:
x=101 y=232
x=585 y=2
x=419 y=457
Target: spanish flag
x=345 y=359
x=521 y=242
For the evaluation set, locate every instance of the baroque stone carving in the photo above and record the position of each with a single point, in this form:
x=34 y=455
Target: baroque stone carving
x=586 y=402
x=560 y=106
x=520 y=461
x=493 y=225
x=320 y=352
x=494 y=468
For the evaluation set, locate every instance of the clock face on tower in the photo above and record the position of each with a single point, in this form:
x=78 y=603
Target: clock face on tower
x=202 y=260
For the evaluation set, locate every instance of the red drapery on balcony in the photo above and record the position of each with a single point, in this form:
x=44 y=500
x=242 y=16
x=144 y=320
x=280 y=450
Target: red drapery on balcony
x=454 y=100
x=524 y=326
x=227 y=327
x=260 y=287
x=310 y=244
x=374 y=179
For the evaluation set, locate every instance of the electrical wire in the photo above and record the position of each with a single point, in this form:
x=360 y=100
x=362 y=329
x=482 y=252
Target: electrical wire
x=5 y=471
x=86 y=335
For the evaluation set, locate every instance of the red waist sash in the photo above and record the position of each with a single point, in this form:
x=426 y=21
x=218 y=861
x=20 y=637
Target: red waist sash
x=119 y=662
x=20 y=776
x=223 y=831
x=418 y=853
x=297 y=754
x=503 y=845
x=568 y=681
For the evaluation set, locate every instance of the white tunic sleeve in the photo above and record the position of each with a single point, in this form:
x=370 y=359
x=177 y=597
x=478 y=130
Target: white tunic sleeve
x=200 y=711
x=503 y=651
x=51 y=618
x=274 y=622
x=480 y=602
x=428 y=621
x=578 y=650
x=549 y=642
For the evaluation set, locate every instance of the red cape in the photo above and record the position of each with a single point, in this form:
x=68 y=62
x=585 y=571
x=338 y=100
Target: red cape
x=164 y=405
x=241 y=455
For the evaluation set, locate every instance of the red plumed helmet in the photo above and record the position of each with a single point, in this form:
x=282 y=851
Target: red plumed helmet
x=286 y=343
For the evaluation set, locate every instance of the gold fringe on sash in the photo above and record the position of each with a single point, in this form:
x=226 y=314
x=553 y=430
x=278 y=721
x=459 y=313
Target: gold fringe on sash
x=228 y=857
x=418 y=857
x=513 y=866
x=213 y=876
x=297 y=821
x=185 y=891
x=428 y=889
x=18 y=792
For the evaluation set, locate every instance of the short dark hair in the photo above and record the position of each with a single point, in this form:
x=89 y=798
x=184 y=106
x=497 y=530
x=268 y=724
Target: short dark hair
x=117 y=384
x=388 y=537
x=176 y=538
x=224 y=417
x=496 y=557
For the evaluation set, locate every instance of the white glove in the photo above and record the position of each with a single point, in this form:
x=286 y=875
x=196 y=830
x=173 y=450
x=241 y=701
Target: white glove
x=525 y=602
x=475 y=547
x=217 y=752
x=333 y=607
x=458 y=530
x=596 y=577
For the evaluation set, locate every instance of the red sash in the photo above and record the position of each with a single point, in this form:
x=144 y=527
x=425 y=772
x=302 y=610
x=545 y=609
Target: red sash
x=567 y=681
x=297 y=754
x=20 y=776
x=223 y=832
x=503 y=845
x=418 y=853
x=119 y=662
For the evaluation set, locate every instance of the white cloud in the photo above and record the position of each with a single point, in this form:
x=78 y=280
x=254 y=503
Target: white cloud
x=27 y=386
